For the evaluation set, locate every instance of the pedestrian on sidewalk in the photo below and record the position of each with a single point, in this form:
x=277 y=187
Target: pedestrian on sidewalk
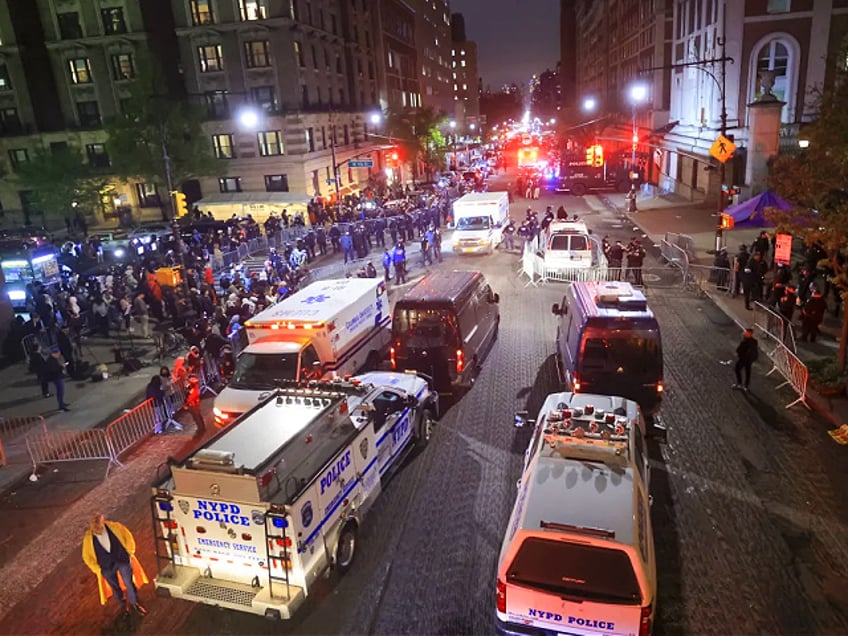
x=192 y=405
x=746 y=355
x=108 y=549
x=36 y=366
x=54 y=372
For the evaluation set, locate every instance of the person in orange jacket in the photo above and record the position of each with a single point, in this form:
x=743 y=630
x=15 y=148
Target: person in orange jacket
x=192 y=405
x=108 y=549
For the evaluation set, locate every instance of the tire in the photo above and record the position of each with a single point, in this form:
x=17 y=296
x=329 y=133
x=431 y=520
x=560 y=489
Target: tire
x=579 y=189
x=346 y=547
x=424 y=430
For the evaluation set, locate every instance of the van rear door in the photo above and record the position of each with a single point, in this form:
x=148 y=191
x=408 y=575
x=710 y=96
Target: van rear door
x=573 y=588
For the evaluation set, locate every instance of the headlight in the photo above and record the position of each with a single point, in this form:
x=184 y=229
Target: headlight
x=119 y=253
x=17 y=294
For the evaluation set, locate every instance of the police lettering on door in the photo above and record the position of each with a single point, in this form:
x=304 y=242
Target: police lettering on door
x=220 y=512
x=335 y=471
x=570 y=620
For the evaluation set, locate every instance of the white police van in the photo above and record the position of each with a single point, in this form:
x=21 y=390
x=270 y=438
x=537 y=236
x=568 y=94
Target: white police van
x=578 y=554
x=252 y=518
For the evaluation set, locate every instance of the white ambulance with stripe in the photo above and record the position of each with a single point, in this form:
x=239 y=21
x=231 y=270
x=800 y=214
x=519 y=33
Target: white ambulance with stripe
x=578 y=554
x=329 y=329
x=252 y=518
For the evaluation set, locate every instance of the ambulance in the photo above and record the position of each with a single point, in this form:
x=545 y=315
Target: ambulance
x=251 y=519
x=331 y=328
x=578 y=554
x=479 y=219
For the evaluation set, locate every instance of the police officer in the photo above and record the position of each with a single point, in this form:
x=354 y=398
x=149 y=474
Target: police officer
x=615 y=257
x=380 y=231
x=321 y=240
x=812 y=315
x=509 y=234
x=387 y=263
x=752 y=279
x=635 y=258
x=335 y=238
x=309 y=244
x=399 y=261
x=740 y=262
x=787 y=303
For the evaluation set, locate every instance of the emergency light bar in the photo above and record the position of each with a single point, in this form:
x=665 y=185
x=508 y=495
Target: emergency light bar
x=286 y=325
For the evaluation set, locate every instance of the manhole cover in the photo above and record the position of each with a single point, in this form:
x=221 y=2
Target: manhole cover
x=651 y=278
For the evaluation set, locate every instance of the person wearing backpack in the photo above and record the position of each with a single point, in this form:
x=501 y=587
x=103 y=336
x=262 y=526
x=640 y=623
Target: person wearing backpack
x=746 y=355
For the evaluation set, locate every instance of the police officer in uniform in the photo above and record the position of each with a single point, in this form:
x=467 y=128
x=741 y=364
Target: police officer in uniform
x=635 y=258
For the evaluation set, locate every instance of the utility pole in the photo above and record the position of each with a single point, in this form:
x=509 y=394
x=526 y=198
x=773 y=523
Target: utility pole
x=719 y=238
x=335 y=166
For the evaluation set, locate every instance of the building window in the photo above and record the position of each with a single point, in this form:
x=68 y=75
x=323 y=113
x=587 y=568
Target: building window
x=69 y=25
x=113 y=20
x=276 y=183
x=293 y=10
x=253 y=9
x=298 y=54
x=211 y=58
x=10 y=122
x=122 y=67
x=148 y=196
x=314 y=57
x=778 y=6
x=270 y=143
x=257 y=54
x=97 y=156
x=201 y=12
x=778 y=59
x=217 y=104
x=223 y=146
x=80 y=70
x=338 y=64
x=17 y=156
x=89 y=114
x=304 y=94
x=334 y=27
x=265 y=98
x=229 y=184
x=310 y=140
x=324 y=137
x=5 y=84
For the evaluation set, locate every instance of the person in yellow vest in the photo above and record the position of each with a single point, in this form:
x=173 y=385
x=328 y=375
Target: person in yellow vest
x=108 y=549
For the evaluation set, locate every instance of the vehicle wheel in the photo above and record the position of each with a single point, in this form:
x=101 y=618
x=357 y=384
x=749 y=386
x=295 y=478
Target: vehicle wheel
x=346 y=548
x=425 y=429
x=578 y=189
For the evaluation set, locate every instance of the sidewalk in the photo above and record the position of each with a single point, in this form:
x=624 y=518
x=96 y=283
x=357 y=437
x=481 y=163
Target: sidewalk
x=657 y=215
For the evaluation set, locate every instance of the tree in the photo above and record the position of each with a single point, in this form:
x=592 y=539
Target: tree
x=153 y=124
x=417 y=133
x=815 y=180
x=61 y=183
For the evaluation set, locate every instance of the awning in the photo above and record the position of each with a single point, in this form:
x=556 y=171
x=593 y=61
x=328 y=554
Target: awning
x=247 y=198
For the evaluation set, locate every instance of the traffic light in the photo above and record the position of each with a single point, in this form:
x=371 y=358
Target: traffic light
x=392 y=158
x=597 y=156
x=590 y=155
x=180 y=204
x=726 y=222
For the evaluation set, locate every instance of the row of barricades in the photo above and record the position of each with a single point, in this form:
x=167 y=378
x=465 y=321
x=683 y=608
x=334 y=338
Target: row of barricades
x=779 y=345
x=12 y=428
x=120 y=435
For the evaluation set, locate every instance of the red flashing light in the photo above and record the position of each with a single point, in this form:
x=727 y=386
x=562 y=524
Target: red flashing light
x=171 y=525
x=460 y=360
x=660 y=387
x=392 y=358
x=501 y=596
x=576 y=384
x=645 y=622
x=285 y=542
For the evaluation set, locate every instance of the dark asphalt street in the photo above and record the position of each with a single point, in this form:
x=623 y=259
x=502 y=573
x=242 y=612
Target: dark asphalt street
x=749 y=507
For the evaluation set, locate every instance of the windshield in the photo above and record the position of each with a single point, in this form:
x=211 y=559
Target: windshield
x=584 y=572
x=259 y=372
x=472 y=223
x=625 y=352
x=425 y=328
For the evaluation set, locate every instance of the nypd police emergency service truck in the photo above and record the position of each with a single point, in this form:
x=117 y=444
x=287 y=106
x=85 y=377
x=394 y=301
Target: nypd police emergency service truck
x=253 y=517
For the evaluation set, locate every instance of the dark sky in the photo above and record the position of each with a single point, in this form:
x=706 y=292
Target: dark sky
x=515 y=38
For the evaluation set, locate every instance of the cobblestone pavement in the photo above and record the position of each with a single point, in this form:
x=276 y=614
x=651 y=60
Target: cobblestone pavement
x=749 y=513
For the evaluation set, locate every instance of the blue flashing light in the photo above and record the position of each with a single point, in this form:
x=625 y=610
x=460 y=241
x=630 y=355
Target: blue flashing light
x=279 y=522
x=166 y=506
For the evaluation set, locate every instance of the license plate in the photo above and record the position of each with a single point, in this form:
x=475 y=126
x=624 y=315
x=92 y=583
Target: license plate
x=468 y=249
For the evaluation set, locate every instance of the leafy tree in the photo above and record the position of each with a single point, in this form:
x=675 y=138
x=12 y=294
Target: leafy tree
x=61 y=183
x=418 y=135
x=151 y=124
x=815 y=180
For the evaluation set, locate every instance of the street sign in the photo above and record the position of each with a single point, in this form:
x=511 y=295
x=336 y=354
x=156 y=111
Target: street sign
x=722 y=149
x=783 y=249
x=361 y=163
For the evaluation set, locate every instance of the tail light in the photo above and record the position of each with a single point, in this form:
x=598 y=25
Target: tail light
x=501 y=598
x=645 y=622
x=660 y=387
x=170 y=524
x=393 y=358
x=576 y=383
x=460 y=361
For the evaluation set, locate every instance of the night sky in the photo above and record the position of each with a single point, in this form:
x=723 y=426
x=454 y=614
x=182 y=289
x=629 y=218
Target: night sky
x=515 y=38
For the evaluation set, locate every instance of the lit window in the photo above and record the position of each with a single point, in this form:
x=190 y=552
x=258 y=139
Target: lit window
x=462 y=63
x=211 y=58
x=298 y=53
x=18 y=156
x=122 y=67
x=113 y=21
x=201 y=12
x=462 y=52
x=5 y=84
x=276 y=183
x=257 y=54
x=778 y=58
x=223 y=146
x=253 y=10
x=270 y=143
x=229 y=184
x=778 y=6
x=80 y=70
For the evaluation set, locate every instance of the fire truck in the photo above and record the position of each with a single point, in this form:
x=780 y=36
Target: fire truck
x=251 y=519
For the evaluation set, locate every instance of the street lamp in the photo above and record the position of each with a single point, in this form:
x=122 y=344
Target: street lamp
x=375 y=118
x=589 y=104
x=452 y=125
x=248 y=118
x=638 y=94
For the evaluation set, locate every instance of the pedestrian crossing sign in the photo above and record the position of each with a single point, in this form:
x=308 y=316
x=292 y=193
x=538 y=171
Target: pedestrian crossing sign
x=840 y=435
x=722 y=149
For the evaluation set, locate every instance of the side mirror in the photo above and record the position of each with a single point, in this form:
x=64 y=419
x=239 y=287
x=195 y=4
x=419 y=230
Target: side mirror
x=555 y=309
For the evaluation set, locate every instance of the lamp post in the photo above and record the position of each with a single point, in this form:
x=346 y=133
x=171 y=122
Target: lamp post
x=638 y=93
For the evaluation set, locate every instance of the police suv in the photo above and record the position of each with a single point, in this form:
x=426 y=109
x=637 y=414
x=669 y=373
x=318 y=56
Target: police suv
x=253 y=517
x=578 y=554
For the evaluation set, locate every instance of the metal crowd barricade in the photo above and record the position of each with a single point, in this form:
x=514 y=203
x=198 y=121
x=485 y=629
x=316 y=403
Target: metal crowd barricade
x=774 y=325
x=709 y=278
x=50 y=447
x=675 y=255
x=28 y=343
x=209 y=375
x=793 y=371
x=683 y=241
x=13 y=427
x=531 y=264
x=130 y=428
